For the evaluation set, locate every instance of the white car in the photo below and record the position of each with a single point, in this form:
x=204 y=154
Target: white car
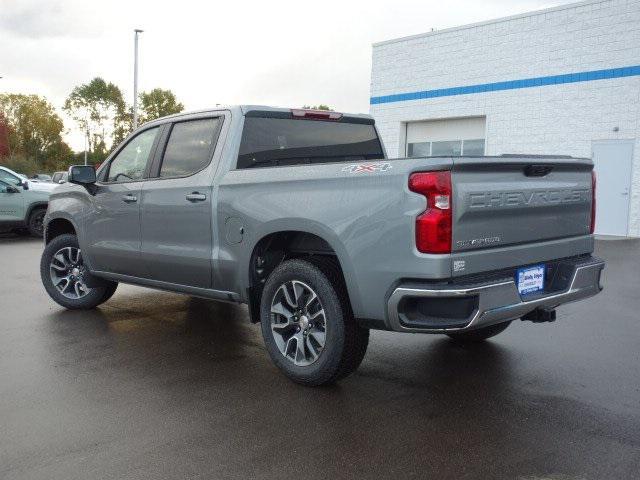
x=14 y=178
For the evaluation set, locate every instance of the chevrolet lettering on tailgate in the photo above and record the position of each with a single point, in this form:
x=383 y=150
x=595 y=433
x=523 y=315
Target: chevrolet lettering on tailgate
x=530 y=198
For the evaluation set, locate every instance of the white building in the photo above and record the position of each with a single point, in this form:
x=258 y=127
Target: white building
x=565 y=80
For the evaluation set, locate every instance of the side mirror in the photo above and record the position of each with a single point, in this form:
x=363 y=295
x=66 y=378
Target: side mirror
x=82 y=175
x=25 y=184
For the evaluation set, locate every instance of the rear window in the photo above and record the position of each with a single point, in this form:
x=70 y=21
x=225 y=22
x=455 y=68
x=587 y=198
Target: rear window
x=268 y=142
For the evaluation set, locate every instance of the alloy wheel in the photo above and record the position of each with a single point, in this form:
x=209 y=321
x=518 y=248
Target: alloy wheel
x=298 y=323
x=67 y=273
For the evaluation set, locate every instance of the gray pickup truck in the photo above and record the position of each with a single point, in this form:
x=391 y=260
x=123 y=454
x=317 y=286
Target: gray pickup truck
x=300 y=215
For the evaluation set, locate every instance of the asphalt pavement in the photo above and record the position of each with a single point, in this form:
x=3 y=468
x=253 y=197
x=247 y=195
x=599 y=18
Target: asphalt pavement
x=155 y=385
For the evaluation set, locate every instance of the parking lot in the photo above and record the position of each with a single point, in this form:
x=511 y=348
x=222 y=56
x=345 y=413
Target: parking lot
x=157 y=385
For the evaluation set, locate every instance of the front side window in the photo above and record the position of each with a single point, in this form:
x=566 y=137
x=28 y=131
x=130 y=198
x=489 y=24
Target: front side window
x=10 y=178
x=3 y=187
x=189 y=147
x=131 y=162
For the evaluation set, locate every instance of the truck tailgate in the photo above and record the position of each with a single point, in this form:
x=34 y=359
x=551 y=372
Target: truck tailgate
x=517 y=201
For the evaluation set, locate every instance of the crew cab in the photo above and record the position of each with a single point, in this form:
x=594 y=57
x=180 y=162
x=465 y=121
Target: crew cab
x=300 y=215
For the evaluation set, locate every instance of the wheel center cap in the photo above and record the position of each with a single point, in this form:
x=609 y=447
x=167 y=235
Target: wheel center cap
x=75 y=272
x=304 y=322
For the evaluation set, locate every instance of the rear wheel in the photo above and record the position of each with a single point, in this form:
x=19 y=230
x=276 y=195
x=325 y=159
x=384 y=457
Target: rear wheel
x=479 y=334
x=36 y=222
x=63 y=272
x=307 y=324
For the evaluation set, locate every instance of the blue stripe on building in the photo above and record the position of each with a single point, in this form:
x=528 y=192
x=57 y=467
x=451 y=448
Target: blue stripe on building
x=511 y=84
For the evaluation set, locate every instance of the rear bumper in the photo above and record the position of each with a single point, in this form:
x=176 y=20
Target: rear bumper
x=478 y=302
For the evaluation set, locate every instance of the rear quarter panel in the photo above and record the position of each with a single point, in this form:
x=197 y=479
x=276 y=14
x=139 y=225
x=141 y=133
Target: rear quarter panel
x=366 y=216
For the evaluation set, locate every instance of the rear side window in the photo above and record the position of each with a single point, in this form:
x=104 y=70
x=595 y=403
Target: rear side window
x=189 y=147
x=268 y=142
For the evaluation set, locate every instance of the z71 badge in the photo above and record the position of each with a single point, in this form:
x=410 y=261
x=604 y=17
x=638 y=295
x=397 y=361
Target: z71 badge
x=367 y=168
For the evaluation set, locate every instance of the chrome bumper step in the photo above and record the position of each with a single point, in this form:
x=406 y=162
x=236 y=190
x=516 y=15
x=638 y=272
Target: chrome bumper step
x=497 y=301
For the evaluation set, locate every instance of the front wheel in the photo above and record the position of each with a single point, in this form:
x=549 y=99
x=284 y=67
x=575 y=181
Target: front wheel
x=307 y=324
x=479 y=334
x=63 y=275
x=35 y=223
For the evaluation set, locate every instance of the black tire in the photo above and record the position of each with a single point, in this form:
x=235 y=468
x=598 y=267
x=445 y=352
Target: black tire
x=93 y=298
x=480 y=334
x=346 y=342
x=35 y=223
x=110 y=290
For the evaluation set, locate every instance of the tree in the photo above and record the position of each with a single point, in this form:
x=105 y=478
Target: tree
x=99 y=110
x=33 y=130
x=154 y=104
x=322 y=106
x=158 y=103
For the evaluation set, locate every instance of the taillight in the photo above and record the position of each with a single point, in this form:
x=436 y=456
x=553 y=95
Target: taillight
x=315 y=114
x=592 y=228
x=433 y=226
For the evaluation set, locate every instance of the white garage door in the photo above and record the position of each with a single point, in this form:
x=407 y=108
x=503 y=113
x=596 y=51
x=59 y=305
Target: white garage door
x=449 y=137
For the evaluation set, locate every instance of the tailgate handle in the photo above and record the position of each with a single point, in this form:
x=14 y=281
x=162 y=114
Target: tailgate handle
x=537 y=170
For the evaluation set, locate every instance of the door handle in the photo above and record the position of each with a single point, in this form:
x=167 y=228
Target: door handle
x=196 y=197
x=129 y=198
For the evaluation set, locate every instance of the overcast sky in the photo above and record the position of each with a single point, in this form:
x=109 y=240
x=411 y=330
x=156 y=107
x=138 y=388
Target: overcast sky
x=281 y=53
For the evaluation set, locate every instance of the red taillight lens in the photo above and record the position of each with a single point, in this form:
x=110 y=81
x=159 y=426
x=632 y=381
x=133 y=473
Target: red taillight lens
x=593 y=202
x=433 y=226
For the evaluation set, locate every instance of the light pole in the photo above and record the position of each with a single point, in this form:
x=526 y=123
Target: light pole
x=86 y=145
x=135 y=77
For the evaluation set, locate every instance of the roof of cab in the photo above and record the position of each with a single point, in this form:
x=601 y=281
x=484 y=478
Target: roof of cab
x=243 y=109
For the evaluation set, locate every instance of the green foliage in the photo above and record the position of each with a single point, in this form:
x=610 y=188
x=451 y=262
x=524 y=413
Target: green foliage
x=30 y=166
x=34 y=133
x=153 y=105
x=34 y=129
x=158 y=103
x=99 y=110
x=322 y=106
x=21 y=164
x=93 y=158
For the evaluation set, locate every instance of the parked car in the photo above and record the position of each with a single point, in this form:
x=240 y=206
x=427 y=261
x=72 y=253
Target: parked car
x=41 y=177
x=300 y=215
x=59 y=177
x=22 y=208
x=17 y=179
